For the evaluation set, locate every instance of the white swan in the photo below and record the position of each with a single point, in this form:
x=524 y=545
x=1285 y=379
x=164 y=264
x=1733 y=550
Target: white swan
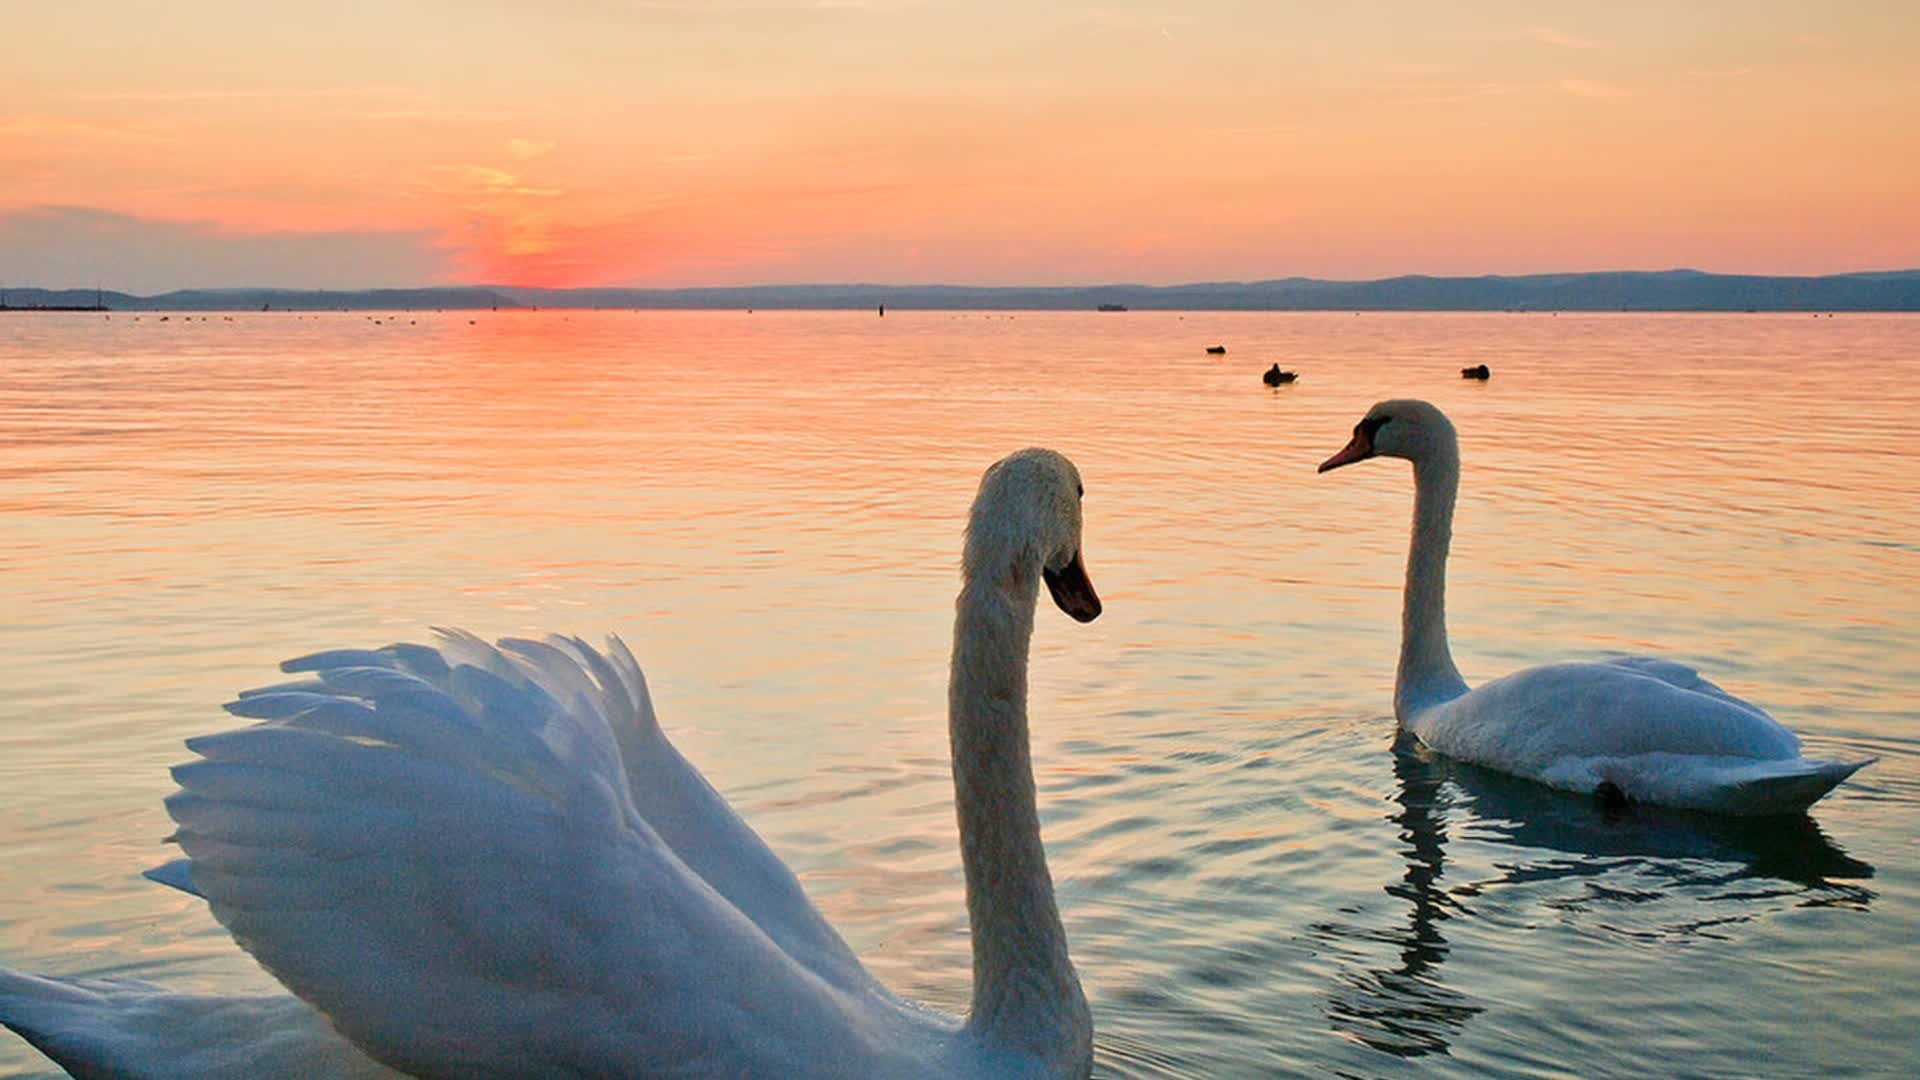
x=489 y=862
x=1633 y=728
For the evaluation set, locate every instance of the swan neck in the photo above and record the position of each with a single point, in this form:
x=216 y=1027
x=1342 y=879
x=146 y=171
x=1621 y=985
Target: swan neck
x=1427 y=674
x=1025 y=993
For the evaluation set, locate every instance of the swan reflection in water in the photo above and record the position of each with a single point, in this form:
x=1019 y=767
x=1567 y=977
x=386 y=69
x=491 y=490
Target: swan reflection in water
x=1406 y=1009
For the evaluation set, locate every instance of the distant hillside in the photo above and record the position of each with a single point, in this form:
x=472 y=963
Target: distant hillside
x=1671 y=290
x=1668 y=290
x=463 y=298
x=33 y=298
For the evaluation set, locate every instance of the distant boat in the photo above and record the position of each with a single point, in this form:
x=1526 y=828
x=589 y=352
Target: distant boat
x=1216 y=350
x=1276 y=377
x=1477 y=371
x=1111 y=307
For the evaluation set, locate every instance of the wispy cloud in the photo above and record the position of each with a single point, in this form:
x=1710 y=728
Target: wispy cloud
x=34 y=127
x=1447 y=94
x=1548 y=35
x=528 y=149
x=470 y=179
x=1594 y=88
x=1439 y=93
x=1266 y=130
x=253 y=93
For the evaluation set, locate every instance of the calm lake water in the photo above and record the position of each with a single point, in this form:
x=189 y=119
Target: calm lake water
x=768 y=508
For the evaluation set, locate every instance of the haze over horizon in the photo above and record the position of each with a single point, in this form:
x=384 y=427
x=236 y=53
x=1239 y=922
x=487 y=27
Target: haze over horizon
x=680 y=143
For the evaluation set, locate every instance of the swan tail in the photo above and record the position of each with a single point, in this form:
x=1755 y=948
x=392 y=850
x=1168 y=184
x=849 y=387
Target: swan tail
x=1787 y=791
x=1719 y=785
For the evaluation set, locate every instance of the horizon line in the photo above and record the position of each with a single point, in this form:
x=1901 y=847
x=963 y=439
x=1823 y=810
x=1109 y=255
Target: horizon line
x=819 y=284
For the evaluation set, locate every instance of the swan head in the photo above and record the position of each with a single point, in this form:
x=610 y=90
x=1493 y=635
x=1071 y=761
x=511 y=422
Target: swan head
x=1405 y=428
x=1027 y=517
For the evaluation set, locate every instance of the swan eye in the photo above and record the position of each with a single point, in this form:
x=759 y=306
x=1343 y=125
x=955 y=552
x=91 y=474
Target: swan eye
x=1370 y=426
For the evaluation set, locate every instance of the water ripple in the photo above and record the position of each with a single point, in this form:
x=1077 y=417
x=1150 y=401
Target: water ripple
x=1256 y=883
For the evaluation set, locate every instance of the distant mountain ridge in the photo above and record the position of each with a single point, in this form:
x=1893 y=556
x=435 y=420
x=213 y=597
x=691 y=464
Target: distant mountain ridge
x=1663 y=290
x=461 y=298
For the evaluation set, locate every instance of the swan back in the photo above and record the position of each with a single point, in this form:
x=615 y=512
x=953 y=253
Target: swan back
x=1653 y=730
x=1526 y=721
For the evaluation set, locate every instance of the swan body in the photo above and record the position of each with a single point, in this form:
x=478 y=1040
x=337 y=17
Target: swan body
x=1638 y=728
x=488 y=861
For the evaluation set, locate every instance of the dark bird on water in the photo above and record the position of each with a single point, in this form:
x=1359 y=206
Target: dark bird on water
x=1477 y=371
x=1216 y=350
x=1276 y=377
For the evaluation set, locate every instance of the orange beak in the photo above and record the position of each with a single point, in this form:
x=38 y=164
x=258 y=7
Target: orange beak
x=1358 y=448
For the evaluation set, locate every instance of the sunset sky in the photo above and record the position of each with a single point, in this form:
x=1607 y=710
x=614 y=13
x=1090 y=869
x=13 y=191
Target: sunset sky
x=149 y=145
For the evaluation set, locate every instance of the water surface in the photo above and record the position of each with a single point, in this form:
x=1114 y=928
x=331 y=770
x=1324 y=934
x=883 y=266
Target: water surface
x=768 y=508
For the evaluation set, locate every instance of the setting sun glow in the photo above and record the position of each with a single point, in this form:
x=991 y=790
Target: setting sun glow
x=689 y=143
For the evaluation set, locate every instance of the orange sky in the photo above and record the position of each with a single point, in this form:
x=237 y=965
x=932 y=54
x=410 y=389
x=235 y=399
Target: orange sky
x=682 y=142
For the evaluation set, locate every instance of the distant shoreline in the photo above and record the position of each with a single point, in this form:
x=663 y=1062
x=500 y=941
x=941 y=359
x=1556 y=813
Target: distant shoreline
x=1632 y=291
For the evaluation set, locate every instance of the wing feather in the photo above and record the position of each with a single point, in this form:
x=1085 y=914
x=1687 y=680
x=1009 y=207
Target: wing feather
x=447 y=859
x=672 y=795
x=635 y=680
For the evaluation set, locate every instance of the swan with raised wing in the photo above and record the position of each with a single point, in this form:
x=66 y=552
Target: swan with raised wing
x=1630 y=729
x=488 y=861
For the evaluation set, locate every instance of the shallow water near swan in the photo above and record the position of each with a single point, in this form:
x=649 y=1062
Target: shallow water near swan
x=767 y=507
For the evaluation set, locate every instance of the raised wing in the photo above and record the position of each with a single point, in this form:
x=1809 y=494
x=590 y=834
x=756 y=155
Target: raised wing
x=672 y=795
x=448 y=861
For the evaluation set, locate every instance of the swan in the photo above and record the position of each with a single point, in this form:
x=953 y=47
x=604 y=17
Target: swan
x=1633 y=729
x=482 y=860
